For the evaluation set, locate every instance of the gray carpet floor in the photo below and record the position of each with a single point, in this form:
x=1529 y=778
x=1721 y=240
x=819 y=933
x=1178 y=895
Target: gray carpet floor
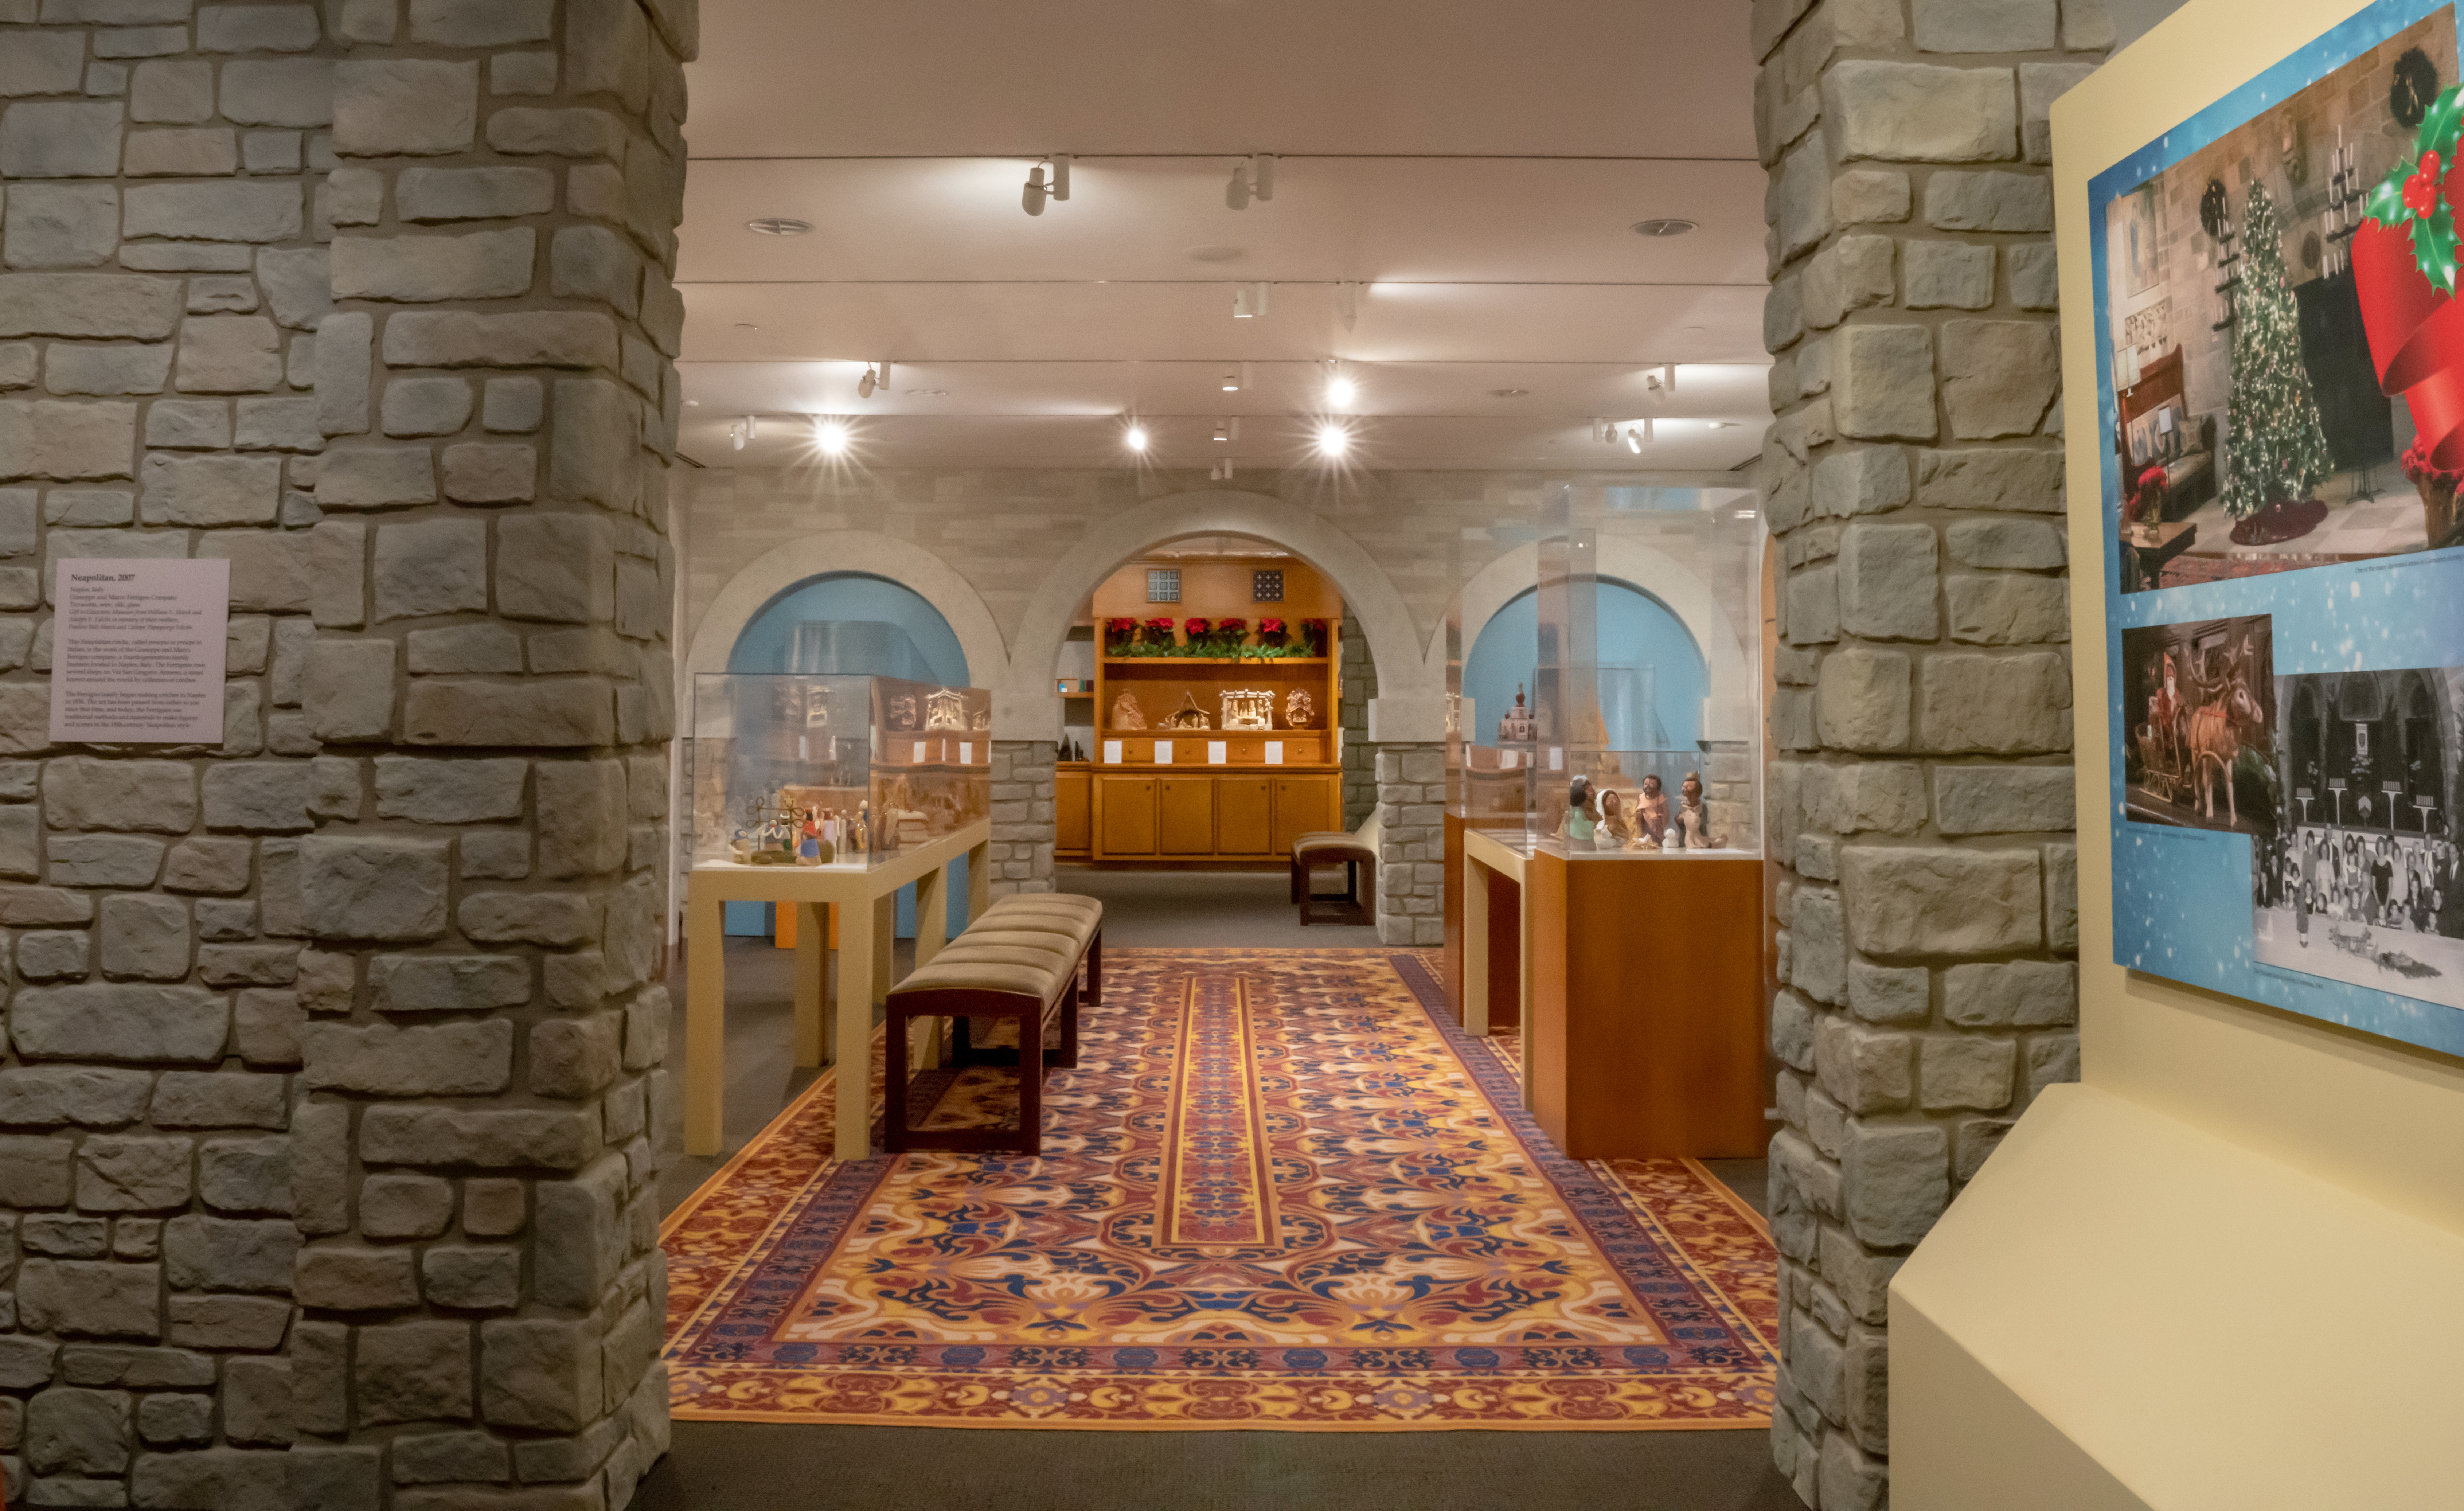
x=727 y=1466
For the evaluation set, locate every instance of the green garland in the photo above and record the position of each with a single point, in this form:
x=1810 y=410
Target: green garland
x=2413 y=196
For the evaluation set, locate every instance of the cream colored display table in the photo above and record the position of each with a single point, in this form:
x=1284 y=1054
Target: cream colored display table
x=867 y=891
x=1483 y=852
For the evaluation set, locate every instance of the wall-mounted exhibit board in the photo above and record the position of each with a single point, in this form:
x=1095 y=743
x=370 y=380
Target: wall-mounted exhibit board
x=2220 y=1272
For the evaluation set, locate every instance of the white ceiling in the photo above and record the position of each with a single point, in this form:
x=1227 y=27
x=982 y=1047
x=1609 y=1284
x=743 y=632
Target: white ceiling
x=1471 y=170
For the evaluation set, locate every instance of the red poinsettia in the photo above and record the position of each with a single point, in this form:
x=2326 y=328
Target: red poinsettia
x=2418 y=469
x=1232 y=626
x=1158 y=624
x=1271 y=629
x=1120 y=626
x=1195 y=626
x=2146 y=499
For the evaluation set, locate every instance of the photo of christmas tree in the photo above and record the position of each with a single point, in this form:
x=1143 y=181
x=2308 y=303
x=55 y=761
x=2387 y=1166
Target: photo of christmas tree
x=2288 y=381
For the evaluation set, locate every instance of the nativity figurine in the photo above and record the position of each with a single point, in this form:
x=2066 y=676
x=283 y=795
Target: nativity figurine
x=1299 y=710
x=1651 y=812
x=1126 y=712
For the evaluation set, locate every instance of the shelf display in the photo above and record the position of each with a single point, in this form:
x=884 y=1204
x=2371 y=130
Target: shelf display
x=1214 y=742
x=805 y=770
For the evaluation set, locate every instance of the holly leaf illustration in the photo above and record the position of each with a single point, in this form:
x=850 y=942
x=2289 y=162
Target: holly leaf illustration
x=2434 y=247
x=2439 y=128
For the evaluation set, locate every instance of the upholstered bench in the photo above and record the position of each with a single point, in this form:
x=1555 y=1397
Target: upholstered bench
x=1020 y=960
x=1357 y=852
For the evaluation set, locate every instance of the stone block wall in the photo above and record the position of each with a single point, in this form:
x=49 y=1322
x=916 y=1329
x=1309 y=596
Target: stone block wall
x=1020 y=852
x=1412 y=844
x=1921 y=806
x=333 y=1051
x=1358 y=674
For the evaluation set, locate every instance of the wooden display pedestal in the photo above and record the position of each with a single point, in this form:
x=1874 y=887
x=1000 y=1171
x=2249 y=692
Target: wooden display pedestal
x=1643 y=980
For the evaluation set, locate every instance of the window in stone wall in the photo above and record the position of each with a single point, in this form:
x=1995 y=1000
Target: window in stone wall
x=1266 y=586
x=1163 y=584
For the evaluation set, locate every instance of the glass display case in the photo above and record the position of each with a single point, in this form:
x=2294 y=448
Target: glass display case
x=808 y=770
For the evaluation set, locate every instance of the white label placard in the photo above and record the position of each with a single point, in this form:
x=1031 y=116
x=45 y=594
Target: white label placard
x=1274 y=753
x=1163 y=753
x=1112 y=753
x=137 y=653
x=1218 y=752
x=966 y=753
x=1557 y=760
x=920 y=751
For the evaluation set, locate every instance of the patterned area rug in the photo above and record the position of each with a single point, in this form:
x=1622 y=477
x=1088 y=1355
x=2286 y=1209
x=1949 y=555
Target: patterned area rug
x=1281 y=1189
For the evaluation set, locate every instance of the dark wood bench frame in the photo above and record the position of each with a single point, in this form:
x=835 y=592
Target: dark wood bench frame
x=1032 y=1016
x=1356 y=903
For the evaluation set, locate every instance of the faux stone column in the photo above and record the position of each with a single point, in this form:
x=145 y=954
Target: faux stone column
x=1358 y=674
x=1921 y=806
x=1412 y=842
x=334 y=1050
x=1020 y=851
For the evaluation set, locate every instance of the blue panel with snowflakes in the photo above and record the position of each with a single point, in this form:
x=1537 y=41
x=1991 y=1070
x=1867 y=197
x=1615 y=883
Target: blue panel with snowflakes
x=2282 y=394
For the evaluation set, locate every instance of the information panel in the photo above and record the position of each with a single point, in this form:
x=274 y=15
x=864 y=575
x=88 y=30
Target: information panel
x=2282 y=393
x=136 y=651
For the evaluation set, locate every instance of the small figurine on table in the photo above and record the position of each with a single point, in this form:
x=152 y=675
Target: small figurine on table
x=1694 y=821
x=1126 y=712
x=1616 y=821
x=1651 y=812
x=1582 y=819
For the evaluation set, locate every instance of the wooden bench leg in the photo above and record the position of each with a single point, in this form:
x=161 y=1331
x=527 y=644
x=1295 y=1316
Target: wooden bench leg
x=1030 y=1083
x=1095 y=968
x=1300 y=883
x=894 y=1098
x=1066 y=1057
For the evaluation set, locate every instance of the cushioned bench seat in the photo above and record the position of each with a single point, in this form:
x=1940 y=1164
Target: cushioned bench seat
x=1357 y=852
x=1020 y=960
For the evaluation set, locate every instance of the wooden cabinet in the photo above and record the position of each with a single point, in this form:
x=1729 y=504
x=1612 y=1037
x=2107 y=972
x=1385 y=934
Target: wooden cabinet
x=1186 y=816
x=1126 y=807
x=1072 y=811
x=1642 y=1052
x=1244 y=823
x=1303 y=804
x=1205 y=815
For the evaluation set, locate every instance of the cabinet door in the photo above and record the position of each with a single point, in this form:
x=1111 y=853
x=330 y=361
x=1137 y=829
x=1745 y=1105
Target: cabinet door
x=1302 y=806
x=1125 y=815
x=1185 y=824
x=1242 y=825
x=1072 y=818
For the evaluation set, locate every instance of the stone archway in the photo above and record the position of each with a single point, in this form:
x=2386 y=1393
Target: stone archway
x=845 y=551
x=1412 y=706
x=1406 y=719
x=1647 y=570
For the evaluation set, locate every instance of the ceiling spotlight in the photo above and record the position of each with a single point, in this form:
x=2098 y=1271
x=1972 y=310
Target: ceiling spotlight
x=1332 y=440
x=778 y=225
x=864 y=384
x=1039 y=188
x=1248 y=300
x=1228 y=429
x=1340 y=389
x=1136 y=438
x=1723 y=425
x=1662 y=382
x=1671 y=227
x=1509 y=393
x=830 y=435
x=1253 y=178
x=1231 y=380
x=1746 y=514
x=1221 y=471
x=739 y=431
x=1635 y=437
